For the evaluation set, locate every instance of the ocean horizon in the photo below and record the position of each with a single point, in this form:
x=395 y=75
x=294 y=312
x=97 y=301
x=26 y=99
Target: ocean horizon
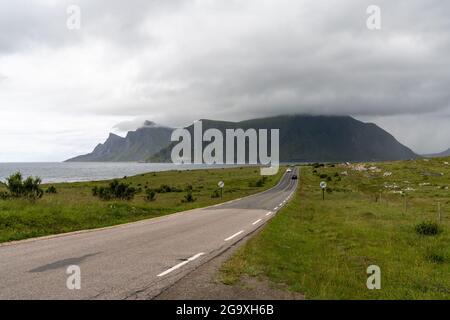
x=57 y=172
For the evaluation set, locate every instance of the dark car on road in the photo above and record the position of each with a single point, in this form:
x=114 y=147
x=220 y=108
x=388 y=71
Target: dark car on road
x=294 y=177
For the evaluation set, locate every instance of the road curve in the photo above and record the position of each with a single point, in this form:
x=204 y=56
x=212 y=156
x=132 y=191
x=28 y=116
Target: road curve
x=137 y=260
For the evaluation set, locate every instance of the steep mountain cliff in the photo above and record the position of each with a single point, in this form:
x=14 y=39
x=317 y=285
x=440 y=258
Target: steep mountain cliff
x=136 y=146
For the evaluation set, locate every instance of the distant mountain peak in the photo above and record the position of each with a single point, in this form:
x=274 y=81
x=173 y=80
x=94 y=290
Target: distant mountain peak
x=148 y=123
x=114 y=136
x=137 y=145
x=445 y=153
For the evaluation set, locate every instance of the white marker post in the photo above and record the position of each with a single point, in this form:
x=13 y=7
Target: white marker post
x=323 y=186
x=221 y=184
x=439 y=212
x=405 y=202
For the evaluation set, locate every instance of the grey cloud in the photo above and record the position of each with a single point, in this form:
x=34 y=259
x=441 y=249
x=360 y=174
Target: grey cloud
x=43 y=23
x=241 y=59
x=346 y=70
x=26 y=24
x=134 y=124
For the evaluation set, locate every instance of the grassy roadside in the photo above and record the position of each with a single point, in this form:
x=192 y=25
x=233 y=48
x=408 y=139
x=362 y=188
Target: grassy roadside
x=74 y=207
x=323 y=248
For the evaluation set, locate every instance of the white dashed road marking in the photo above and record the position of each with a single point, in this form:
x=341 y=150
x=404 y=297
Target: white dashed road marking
x=181 y=264
x=234 y=235
x=257 y=221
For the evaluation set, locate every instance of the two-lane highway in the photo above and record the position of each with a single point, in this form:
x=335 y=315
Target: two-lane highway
x=136 y=260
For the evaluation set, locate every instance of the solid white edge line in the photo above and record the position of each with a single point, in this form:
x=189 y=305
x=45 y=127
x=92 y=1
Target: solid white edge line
x=257 y=221
x=234 y=235
x=181 y=264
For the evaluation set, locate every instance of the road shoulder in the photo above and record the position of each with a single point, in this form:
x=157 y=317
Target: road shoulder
x=204 y=283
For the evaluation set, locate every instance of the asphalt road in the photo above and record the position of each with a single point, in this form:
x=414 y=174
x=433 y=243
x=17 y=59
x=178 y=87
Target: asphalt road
x=137 y=260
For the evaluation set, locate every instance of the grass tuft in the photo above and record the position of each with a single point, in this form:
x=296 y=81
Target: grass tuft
x=427 y=228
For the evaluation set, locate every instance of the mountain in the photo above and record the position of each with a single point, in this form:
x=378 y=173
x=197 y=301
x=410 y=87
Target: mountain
x=136 y=146
x=305 y=138
x=445 y=153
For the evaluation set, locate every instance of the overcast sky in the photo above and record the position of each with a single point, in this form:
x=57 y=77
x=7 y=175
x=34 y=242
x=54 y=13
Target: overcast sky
x=172 y=61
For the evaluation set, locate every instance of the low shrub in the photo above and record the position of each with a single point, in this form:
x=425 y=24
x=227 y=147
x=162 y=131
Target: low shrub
x=215 y=194
x=51 y=190
x=29 y=188
x=115 y=190
x=4 y=195
x=434 y=257
x=189 y=197
x=164 y=188
x=150 y=195
x=258 y=183
x=427 y=228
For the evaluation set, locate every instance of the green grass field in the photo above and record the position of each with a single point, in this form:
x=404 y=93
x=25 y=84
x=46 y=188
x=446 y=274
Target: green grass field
x=75 y=208
x=322 y=248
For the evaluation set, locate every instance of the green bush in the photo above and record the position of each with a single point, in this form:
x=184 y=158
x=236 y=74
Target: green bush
x=189 y=197
x=261 y=182
x=115 y=190
x=4 y=195
x=164 y=188
x=435 y=258
x=150 y=195
x=51 y=190
x=258 y=183
x=427 y=228
x=215 y=194
x=28 y=188
x=14 y=184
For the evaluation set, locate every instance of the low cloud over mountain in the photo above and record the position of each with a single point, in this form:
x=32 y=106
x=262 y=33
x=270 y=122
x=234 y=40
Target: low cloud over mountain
x=177 y=61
